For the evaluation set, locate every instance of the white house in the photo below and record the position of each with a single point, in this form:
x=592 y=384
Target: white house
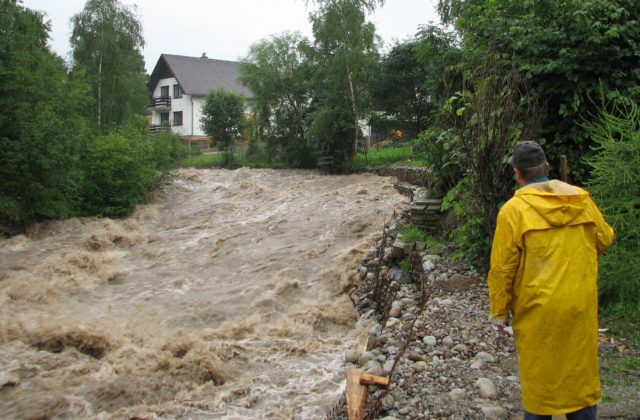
x=178 y=87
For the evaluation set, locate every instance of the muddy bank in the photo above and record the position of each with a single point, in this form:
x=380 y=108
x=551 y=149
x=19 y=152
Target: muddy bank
x=226 y=297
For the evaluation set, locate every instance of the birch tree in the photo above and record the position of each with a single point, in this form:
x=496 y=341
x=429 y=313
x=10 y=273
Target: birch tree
x=107 y=44
x=346 y=48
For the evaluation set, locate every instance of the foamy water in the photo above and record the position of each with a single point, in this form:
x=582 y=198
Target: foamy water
x=224 y=298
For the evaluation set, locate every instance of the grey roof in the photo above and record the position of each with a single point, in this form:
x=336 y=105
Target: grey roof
x=198 y=76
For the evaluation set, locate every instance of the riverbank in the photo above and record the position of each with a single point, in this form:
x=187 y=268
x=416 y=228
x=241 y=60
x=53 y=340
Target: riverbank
x=428 y=330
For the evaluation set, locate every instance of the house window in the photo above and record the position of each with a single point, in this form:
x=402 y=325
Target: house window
x=177 y=92
x=177 y=118
x=164 y=92
x=164 y=117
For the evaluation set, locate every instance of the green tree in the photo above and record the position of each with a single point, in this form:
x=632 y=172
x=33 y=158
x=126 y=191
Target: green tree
x=566 y=50
x=416 y=77
x=616 y=187
x=346 y=58
x=278 y=74
x=223 y=117
x=107 y=44
x=119 y=171
x=42 y=132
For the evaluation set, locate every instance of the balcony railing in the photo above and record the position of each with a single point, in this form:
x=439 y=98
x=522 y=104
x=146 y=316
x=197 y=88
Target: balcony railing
x=160 y=103
x=157 y=128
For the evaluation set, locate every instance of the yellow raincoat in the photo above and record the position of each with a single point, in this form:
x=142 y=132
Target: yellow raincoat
x=544 y=269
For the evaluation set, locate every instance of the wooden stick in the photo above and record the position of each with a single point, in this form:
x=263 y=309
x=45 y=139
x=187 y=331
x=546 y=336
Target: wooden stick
x=564 y=168
x=356 y=394
x=367 y=379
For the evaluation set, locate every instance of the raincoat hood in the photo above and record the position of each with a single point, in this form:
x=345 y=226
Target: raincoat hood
x=559 y=204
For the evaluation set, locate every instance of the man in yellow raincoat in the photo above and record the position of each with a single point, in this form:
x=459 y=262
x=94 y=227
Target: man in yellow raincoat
x=544 y=270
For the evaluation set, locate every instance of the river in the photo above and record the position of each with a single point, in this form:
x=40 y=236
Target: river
x=224 y=297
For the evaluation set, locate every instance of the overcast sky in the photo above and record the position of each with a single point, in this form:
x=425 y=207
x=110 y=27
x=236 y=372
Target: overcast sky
x=225 y=29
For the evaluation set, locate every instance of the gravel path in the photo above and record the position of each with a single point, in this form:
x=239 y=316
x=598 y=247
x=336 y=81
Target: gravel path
x=428 y=330
x=455 y=365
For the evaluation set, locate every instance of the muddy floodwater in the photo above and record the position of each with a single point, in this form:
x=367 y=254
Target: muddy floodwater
x=225 y=297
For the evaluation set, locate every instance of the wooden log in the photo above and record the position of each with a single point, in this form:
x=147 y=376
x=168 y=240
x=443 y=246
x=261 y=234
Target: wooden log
x=356 y=394
x=564 y=168
x=368 y=379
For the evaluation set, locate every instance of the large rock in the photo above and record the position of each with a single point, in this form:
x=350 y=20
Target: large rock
x=392 y=322
x=486 y=388
x=485 y=357
x=387 y=403
x=388 y=365
x=492 y=411
x=457 y=394
x=366 y=357
x=430 y=340
x=415 y=356
x=395 y=312
x=428 y=266
x=461 y=348
x=374 y=367
x=456 y=283
x=396 y=274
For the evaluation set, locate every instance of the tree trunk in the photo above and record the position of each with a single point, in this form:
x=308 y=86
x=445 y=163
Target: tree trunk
x=100 y=78
x=353 y=108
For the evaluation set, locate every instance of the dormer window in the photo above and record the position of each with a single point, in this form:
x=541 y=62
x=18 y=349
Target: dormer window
x=177 y=92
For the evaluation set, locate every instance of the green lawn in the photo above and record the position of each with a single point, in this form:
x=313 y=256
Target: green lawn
x=202 y=161
x=399 y=156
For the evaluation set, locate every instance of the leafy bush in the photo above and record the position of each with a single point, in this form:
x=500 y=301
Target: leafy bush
x=167 y=149
x=119 y=171
x=228 y=159
x=441 y=151
x=412 y=233
x=331 y=132
x=469 y=238
x=122 y=167
x=616 y=187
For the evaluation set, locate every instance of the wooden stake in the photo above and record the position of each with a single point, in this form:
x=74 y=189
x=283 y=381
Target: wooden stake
x=356 y=394
x=367 y=379
x=564 y=168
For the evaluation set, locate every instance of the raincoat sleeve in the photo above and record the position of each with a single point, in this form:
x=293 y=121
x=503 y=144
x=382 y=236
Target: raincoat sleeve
x=505 y=258
x=604 y=233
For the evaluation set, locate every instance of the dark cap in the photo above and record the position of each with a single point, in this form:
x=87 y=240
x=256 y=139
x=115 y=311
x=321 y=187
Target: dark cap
x=527 y=154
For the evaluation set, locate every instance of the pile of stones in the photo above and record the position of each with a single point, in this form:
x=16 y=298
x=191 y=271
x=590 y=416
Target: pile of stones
x=444 y=358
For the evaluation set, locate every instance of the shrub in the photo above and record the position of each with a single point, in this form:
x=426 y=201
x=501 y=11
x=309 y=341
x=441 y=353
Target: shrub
x=616 y=187
x=228 y=159
x=167 y=149
x=469 y=238
x=412 y=233
x=441 y=151
x=331 y=132
x=119 y=170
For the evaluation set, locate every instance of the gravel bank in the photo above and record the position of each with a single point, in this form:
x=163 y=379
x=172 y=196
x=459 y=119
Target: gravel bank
x=428 y=330
x=444 y=358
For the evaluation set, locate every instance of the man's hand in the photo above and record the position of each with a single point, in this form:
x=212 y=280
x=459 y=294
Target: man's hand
x=500 y=325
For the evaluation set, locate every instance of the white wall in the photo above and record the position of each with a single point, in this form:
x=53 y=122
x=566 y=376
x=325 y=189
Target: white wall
x=180 y=104
x=198 y=103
